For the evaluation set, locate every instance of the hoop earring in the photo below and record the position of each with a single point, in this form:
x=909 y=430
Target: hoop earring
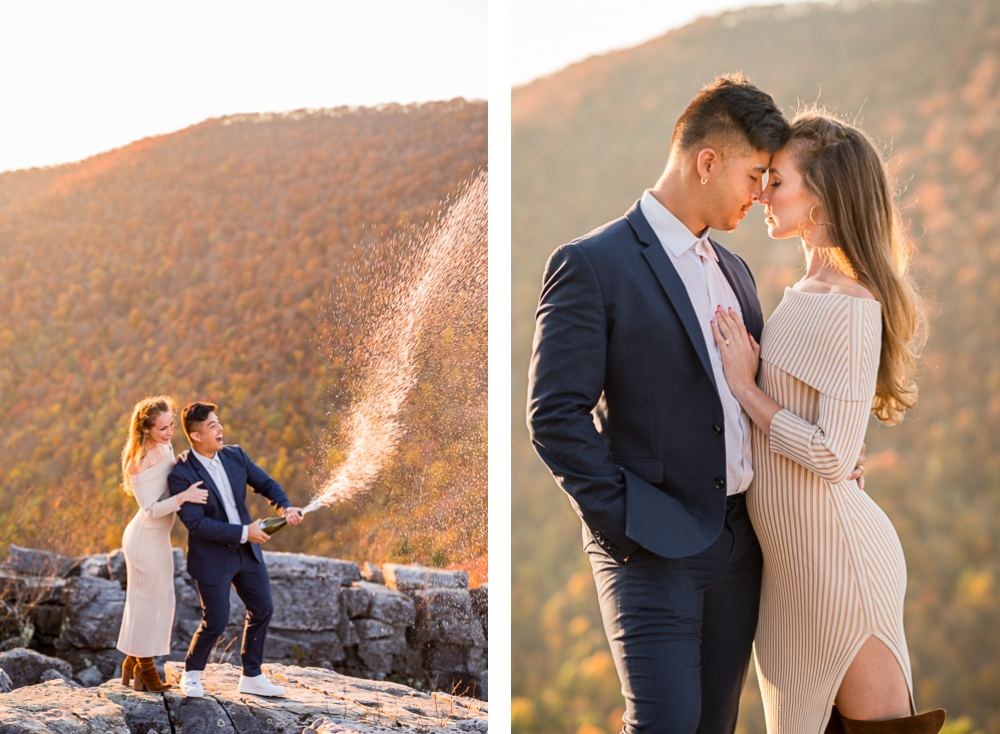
x=818 y=224
x=704 y=181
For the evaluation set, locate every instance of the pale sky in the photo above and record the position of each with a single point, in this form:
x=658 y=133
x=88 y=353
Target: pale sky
x=78 y=78
x=551 y=34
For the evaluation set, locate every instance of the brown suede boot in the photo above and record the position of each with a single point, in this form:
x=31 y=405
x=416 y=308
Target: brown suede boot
x=146 y=677
x=926 y=723
x=127 y=667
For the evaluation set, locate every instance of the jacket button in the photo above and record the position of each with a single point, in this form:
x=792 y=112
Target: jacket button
x=612 y=550
x=598 y=537
x=717 y=428
x=720 y=482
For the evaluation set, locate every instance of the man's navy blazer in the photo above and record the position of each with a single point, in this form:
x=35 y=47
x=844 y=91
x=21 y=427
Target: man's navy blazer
x=622 y=402
x=210 y=534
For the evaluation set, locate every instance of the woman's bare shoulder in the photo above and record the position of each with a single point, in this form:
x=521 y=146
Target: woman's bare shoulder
x=843 y=286
x=151 y=459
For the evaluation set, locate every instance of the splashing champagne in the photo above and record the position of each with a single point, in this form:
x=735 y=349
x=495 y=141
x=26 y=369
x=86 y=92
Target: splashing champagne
x=454 y=252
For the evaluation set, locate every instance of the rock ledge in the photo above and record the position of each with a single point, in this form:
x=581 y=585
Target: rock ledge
x=317 y=701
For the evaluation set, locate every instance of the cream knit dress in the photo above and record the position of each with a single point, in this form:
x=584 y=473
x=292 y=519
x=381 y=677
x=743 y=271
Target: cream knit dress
x=149 y=597
x=834 y=572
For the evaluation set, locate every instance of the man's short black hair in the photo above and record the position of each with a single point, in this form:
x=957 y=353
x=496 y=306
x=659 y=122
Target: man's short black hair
x=733 y=114
x=194 y=414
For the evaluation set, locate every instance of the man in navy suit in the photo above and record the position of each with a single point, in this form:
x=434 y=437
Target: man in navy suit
x=224 y=547
x=629 y=408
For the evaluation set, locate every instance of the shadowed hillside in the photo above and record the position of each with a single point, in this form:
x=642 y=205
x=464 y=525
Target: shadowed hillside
x=925 y=77
x=226 y=262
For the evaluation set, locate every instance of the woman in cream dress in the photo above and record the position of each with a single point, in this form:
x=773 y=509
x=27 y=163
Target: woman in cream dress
x=147 y=460
x=841 y=344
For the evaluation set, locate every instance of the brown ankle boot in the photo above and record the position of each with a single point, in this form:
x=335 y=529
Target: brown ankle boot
x=146 y=677
x=927 y=723
x=127 y=667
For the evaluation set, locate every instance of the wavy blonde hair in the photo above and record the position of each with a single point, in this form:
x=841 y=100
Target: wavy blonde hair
x=143 y=418
x=843 y=168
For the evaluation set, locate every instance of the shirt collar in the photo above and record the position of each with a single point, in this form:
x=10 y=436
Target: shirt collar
x=673 y=235
x=214 y=461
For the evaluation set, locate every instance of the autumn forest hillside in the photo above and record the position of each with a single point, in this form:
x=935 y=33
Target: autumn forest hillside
x=924 y=79
x=231 y=261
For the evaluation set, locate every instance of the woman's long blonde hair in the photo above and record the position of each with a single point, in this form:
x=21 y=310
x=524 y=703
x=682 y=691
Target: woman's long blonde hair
x=143 y=418
x=844 y=169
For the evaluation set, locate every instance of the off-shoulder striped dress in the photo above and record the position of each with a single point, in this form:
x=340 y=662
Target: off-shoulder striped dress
x=149 y=596
x=834 y=572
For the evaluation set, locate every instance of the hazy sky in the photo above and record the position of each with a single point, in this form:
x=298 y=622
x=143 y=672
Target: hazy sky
x=551 y=34
x=78 y=78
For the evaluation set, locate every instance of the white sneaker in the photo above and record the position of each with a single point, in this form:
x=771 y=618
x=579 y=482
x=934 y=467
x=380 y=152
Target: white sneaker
x=191 y=684
x=259 y=685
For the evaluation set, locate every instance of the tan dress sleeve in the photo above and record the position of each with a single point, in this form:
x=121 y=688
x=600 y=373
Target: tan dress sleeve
x=846 y=385
x=149 y=488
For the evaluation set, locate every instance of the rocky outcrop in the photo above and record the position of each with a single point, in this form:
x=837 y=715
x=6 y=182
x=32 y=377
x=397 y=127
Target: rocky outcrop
x=27 y=667
x=316 y=701
x=422 y=626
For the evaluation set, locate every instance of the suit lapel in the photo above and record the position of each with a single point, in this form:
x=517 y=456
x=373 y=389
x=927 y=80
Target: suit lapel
x=672 y=285
x=748 y=304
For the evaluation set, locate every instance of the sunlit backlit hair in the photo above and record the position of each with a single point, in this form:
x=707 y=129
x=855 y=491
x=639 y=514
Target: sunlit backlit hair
x=844 y=169
x=144 y=416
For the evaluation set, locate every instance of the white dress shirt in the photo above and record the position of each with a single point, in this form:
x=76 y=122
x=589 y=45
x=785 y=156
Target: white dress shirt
x=698 y=265
x=221 y=479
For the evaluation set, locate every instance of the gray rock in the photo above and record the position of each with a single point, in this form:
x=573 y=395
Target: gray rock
x=47 y=619
x=6 y=684
x=409 y=578
x=480 y=597
x=336 y=726
x=95 y=565
x=116 y=567
x=108 y=663
x=445 y=615
x=306 y=604
x=297 y=566
x=30 y=591
x=481 y=606
x=304 y=648
x=455 y=658
x=93 y=615
x=381 y=656
x=144 y=711
x=347 y=632
x=90 y=677
x=52 y=674
x=180 y=564
x=25 y=667
x=31 y=562
x=366 y=599
x=371 y=572
x=375 y=629
x=187 y=603
x=312 y=693
x=42 y=709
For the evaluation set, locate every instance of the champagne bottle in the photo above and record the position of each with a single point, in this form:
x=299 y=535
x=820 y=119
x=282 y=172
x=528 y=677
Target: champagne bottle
x=273 y=524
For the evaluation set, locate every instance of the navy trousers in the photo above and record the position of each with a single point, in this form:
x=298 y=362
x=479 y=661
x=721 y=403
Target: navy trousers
x=681 y=629
x=249 y=577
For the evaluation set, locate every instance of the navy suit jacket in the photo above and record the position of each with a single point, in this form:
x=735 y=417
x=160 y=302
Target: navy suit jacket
x=622 y=402
x=210 y=534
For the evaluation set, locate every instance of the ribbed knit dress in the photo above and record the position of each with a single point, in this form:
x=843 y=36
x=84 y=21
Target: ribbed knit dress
x=834 y=572
x=149 y=596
